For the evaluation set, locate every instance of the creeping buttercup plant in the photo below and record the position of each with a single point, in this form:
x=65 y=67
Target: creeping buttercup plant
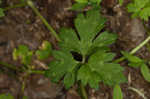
x=96 y=65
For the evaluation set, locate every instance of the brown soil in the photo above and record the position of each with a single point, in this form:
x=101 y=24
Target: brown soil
x=22 y=26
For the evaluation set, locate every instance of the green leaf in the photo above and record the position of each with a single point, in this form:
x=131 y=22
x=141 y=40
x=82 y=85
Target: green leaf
x=63 y=64
x=140 y=8
x=92 y=47
x=6 y=96
x=110 y=73
x=117 y=93
x=105 y=39
x=88 y=26
x=45 y=51
x=86 y=76
x=2 y=14
x=145 y=72
x=23 y=53
x=69 y=39
x=131 y=58
x=69 y=79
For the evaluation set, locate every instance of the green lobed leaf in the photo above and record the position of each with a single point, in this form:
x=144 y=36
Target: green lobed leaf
x=69 y=39
x=88 y=26
x=117 y=93
x=98 y=64
x=105 y=39
x=109 y=72
x=145 y=72
x=86 y=76
x=63 y=64
x=45 y=51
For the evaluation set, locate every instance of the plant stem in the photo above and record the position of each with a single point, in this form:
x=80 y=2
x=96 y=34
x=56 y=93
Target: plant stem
x=15 y=6
x=30 y=3
x=83 y=91
x=140 y=45
x=37 y=72
x=10 y=66
x=135 y=49
x=138 y=91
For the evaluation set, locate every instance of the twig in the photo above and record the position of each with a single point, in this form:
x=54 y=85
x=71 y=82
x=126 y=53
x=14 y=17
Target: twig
x=137 y=91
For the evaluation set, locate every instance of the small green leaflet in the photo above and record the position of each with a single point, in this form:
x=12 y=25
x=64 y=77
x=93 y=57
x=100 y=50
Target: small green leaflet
x=140 y=8
x=134 y=61
x=6 y=96
x=145 y=72
x=98 y=66
x=23 y=53
x=117 y=93
x=44 y=51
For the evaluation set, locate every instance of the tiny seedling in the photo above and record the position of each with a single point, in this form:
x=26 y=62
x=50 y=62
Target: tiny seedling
x=45 y=51
x=140 y=8
x=96 y=64
x=137 y=62
x=23 y=53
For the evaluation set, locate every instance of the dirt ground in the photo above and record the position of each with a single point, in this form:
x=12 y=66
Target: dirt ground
x=22 y=26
